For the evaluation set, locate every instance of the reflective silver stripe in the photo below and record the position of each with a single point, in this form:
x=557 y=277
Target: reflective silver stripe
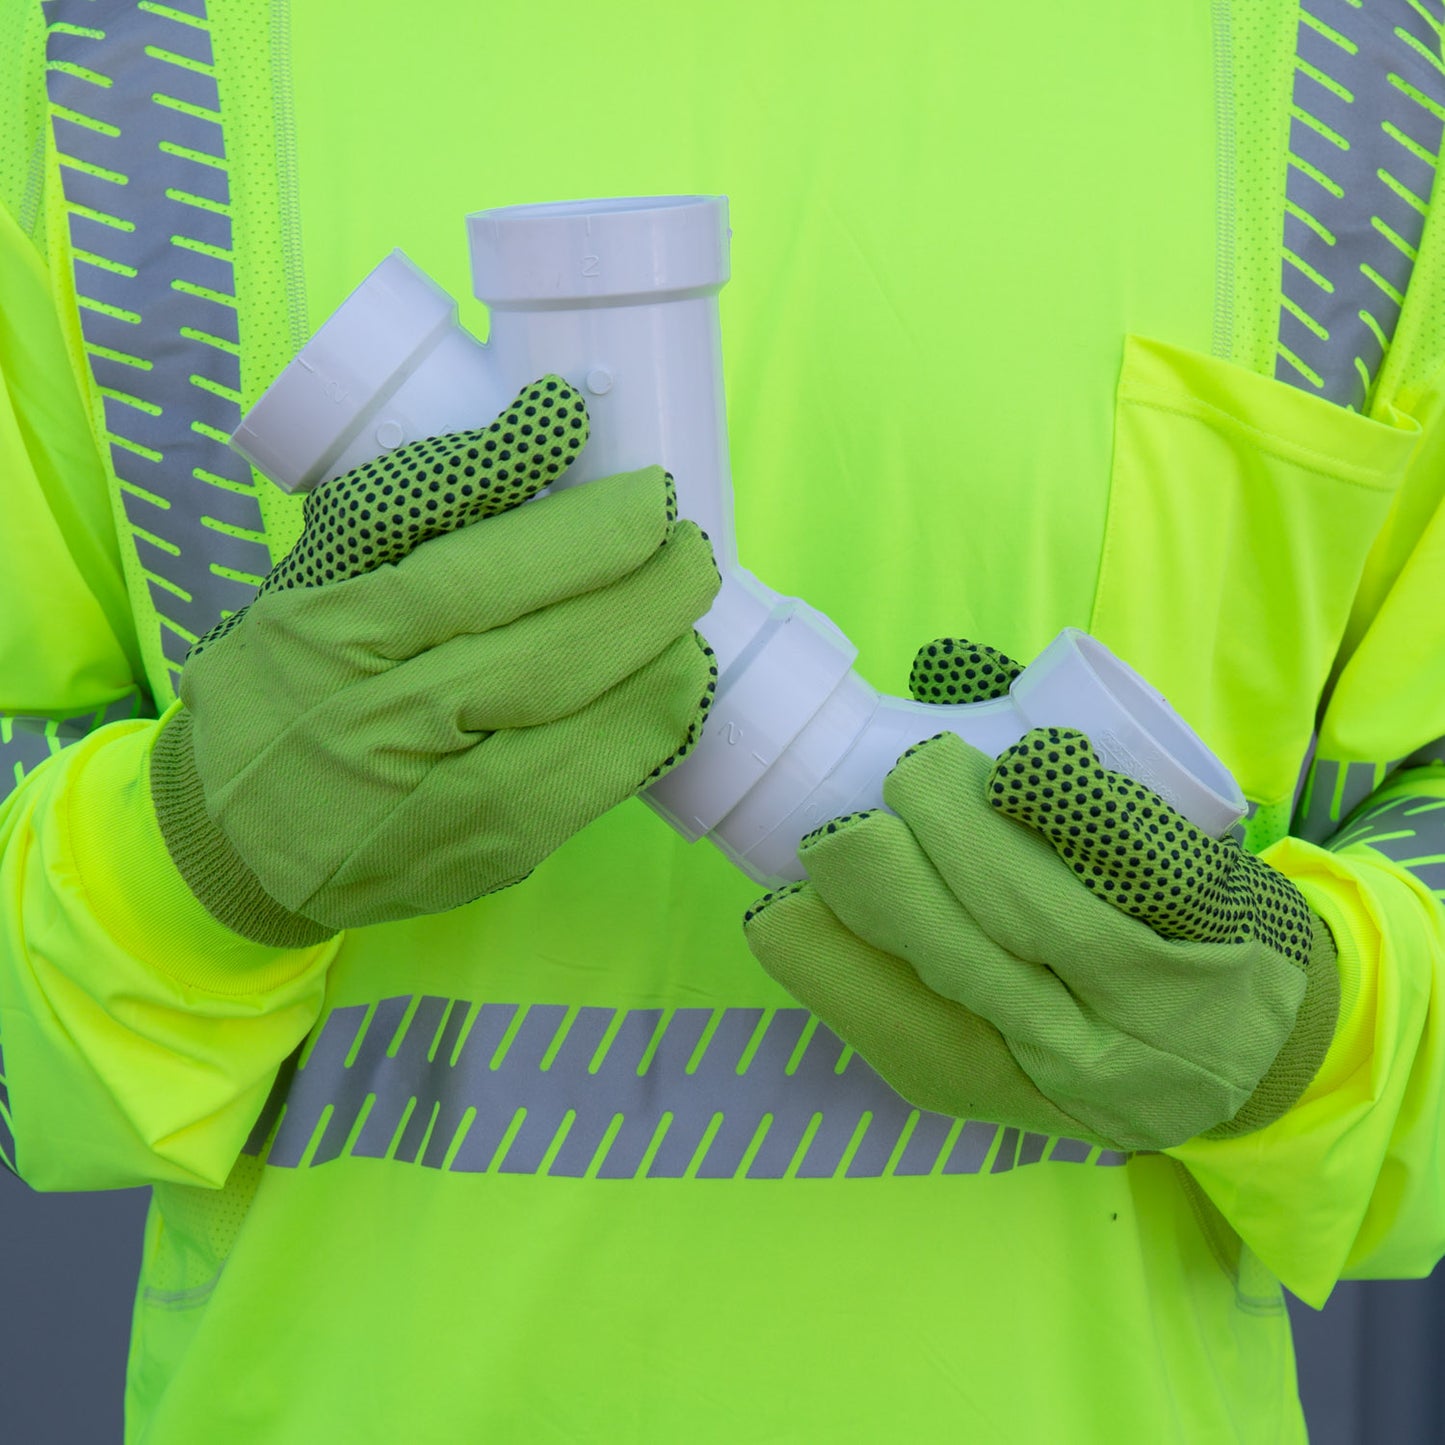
x=1364 y=143
x=7 y=1133
x=146 y=187
x=616 y=1094
x=1332 y=791
x=1408 y=831
x=25 y=742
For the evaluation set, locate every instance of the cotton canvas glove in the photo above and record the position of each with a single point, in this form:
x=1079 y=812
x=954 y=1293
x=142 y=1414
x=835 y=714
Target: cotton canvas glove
x=437 y=686
x=1042 y=942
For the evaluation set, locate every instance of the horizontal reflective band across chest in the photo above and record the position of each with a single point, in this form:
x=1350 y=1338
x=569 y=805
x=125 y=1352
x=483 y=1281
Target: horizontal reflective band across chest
x=596 y=1092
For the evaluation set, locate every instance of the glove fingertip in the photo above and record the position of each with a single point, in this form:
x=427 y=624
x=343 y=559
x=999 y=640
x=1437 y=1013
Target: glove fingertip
x=944 y=765
x=768 y=900
x=384 y=509
x=530 y=445
x=954 y=670
x=1047 y=771
x=918 y=747
x=694 y=730
x=834 y=826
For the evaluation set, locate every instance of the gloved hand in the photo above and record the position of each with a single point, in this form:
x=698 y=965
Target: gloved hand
x=1041 y=942
x=437 y=686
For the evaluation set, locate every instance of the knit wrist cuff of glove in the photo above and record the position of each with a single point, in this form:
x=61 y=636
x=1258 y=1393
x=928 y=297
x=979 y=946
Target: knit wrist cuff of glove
x=203 y=855
x=1304 y=1051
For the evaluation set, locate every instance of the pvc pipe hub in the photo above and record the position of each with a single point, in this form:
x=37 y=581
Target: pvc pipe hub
x=608 y=251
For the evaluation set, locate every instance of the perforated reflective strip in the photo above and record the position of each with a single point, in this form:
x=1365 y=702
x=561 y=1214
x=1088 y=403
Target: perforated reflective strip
x=1369 y=96
x=1408 y=831
x=596 y=1092
x=143 y=165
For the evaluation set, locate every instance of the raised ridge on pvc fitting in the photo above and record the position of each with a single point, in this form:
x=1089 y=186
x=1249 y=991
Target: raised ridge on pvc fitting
x=620 y=297
x=836 y=764
x=563 y=252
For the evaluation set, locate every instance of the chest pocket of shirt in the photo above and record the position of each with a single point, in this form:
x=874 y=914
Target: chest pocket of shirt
x=1241 y=511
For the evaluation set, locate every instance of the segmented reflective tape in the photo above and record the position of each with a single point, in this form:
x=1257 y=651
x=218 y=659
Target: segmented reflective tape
x=616 y=1094
x=25 y=742
x=137 y=125
x=1369 y=99
x=1332 y=790
x=7 y=1133
x=1408 y=831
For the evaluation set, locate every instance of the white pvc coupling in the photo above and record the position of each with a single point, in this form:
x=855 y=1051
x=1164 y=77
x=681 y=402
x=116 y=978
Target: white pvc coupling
x=837 y=762
x=620 y=297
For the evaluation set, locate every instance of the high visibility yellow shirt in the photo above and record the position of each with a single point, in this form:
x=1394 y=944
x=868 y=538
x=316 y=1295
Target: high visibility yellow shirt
x=1121 y=316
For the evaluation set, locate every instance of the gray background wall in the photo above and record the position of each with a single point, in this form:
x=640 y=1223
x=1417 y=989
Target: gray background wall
x=1370 y=1364
x=68 y=1264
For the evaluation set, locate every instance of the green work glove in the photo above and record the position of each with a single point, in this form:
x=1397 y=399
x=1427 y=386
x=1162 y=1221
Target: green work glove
x=437 y=686
x=1041 y=942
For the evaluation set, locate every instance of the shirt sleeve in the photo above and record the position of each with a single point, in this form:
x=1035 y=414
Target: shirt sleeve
x=139 y=1036
x=1351 y=1181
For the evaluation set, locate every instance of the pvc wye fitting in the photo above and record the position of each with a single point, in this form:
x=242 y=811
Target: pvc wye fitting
x=620 y=297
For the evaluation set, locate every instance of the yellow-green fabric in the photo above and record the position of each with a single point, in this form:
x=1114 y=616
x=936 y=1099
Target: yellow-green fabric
x=1100 y=966
x=1020 y=219
x=402 y=736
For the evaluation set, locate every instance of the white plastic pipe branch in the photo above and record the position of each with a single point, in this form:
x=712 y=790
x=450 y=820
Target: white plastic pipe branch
x=621 y=298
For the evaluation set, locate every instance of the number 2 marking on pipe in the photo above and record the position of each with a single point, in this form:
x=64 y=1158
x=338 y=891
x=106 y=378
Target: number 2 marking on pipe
x=592 y=265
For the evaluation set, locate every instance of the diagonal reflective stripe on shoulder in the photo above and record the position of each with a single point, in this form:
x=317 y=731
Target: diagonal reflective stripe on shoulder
x=1369 y=94
x=142 y=154
x=26 y=742
x=616 y=1094
x=1408 y=831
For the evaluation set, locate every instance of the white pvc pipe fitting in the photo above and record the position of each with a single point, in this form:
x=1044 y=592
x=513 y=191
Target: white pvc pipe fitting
x=620 y=297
